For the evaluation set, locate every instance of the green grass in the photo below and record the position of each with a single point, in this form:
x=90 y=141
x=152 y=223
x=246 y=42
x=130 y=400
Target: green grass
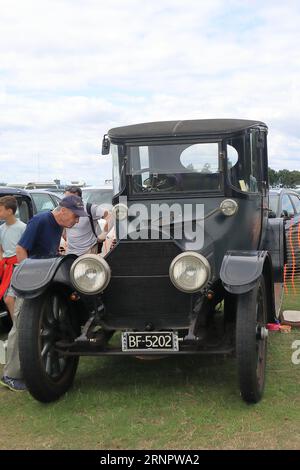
x=173 y=403
x=292 y=297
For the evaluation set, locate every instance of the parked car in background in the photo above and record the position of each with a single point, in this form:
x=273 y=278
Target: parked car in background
x=285 y=203
x=98 y=195
x=16 y=185
x=37 y=185
x=58 y=192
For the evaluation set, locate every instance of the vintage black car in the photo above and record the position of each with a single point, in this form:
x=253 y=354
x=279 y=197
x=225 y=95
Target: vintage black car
x=197 y=267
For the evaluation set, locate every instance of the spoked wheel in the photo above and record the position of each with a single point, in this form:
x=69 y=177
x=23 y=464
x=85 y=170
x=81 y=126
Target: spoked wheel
x=251 y=341
x=44 y=321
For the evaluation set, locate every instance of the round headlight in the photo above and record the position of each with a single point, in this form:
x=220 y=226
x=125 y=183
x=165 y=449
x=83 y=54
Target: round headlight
x=120 y=211
x=229 y=207
x=189 y=271
x=90 y=274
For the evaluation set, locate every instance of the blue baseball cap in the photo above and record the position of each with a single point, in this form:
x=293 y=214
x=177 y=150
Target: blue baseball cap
x=75 y=204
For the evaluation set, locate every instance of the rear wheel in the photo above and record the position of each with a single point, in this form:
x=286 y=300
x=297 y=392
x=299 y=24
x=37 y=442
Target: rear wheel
x=251 y=341
x=44 y=321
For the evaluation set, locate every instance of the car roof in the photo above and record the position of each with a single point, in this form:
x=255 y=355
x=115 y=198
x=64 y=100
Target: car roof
x=189 y=128
x=42 y=191
x=7 y=190
x=280 y=191
x=104 y=187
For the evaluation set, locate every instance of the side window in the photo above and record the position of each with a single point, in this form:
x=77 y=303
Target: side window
x=43 y=202
x=296 y=202
x=287 y=205
x=22 y=212
x=56 y=200
x=244 y=162
x=202 y=158
x=235 y=149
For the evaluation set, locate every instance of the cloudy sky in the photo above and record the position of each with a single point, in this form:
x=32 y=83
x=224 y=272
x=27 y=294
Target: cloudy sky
x=72 y=69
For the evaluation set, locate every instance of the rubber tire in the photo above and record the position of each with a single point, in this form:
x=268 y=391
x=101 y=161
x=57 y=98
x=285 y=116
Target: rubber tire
x=251 y=387
x=38 y=382
x=230 y=307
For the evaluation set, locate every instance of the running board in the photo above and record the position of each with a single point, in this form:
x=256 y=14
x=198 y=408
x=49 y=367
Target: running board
x=118 y=352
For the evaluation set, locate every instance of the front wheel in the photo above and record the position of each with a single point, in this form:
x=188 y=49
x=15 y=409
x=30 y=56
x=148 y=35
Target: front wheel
x=44 y=321
x=251 y=341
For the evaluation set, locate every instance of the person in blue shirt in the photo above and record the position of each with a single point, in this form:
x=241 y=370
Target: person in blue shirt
x=41 y=239
x=43 y=233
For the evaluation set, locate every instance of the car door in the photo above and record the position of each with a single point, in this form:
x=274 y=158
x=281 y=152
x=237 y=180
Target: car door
x=296 y=203
x=296 y=227
x=288 y=212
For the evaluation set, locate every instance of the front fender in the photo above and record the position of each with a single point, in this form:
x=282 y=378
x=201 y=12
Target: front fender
x=32 y=277
x=240 y=270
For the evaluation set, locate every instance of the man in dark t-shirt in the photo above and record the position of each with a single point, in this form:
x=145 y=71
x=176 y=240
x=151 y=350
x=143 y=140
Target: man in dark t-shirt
x=43 y=233
x=42 y=236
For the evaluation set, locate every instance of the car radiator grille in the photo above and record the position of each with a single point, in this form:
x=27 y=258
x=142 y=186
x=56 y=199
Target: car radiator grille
x=140 y=292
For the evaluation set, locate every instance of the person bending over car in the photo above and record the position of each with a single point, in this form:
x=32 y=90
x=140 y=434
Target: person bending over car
x=84 y=237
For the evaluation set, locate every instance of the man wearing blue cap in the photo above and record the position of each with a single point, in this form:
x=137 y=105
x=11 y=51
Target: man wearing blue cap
x=41 y=239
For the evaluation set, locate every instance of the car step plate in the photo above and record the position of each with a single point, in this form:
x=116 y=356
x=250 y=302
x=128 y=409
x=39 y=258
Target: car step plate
x=142 y=341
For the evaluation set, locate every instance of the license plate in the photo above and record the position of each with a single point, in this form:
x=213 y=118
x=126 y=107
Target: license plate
x=149 y=341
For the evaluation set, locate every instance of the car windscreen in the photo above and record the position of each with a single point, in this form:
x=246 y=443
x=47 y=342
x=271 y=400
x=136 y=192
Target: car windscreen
x=172 y=168
x=273 y=202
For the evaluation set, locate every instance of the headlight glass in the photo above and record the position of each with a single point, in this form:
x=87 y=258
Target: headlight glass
x=189 y=272
x=229 y=207
x=90 y=274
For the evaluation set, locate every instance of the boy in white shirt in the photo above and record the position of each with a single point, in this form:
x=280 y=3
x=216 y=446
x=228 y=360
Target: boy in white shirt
x=10 y=234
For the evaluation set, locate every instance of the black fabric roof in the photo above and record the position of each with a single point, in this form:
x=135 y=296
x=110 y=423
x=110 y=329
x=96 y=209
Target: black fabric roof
x=181 y=128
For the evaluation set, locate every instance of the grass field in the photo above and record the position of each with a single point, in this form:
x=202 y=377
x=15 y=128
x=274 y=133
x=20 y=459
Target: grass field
x=174 y=403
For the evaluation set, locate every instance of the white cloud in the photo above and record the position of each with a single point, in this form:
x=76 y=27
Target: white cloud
x=71 y=69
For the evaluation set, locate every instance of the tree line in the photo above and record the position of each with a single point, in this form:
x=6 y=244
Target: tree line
x=284 y=178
